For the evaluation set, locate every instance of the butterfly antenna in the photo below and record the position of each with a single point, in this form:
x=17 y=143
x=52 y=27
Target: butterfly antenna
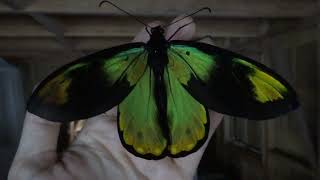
x=188 y=15
x=111 y=3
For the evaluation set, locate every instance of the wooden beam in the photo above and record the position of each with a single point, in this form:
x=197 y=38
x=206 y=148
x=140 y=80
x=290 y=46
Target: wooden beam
x=106 y=26
x=49 y=43
x=225 y=8
x=49 y=56
x=17 y=4
x=48 y=49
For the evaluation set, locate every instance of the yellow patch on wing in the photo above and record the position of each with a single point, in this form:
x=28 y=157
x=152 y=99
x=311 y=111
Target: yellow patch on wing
x=179 y=67
x=135 y=71
x=56 y=90
x=190 y=134
x=266 y=88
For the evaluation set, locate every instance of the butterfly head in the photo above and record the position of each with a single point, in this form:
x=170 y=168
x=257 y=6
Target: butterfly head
x=157 y=30
x=157 y=38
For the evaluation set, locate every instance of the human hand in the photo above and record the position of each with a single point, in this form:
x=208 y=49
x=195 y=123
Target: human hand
x=97 y=152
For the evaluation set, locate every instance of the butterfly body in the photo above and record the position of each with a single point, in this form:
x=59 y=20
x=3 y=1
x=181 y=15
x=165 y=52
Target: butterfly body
x=163 y=90
x=158 y=60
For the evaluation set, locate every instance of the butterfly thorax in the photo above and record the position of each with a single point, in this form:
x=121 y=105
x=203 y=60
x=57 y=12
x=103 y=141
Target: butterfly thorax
x=157 y=48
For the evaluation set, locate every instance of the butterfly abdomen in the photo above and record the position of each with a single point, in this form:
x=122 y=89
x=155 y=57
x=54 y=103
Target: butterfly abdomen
x=160 y=90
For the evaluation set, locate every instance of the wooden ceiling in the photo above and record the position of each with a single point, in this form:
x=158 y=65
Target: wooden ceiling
x=43 y=29
x=222 y=8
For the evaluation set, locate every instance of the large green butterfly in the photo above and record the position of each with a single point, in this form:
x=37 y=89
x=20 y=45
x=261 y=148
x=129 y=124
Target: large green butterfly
x=163 y=90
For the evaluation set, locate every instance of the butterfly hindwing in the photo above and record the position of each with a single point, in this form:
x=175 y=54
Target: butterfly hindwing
x=187 y=119
x=138 y=120
x=90 y=85
x=230 y=83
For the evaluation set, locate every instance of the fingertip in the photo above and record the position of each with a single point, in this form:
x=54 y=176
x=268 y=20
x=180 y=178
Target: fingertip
x=215 y=121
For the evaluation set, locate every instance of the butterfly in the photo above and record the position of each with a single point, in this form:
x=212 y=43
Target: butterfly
x=163 y=90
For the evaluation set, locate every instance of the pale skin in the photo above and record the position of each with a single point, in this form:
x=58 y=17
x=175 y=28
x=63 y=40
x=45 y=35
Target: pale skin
x=97 y=152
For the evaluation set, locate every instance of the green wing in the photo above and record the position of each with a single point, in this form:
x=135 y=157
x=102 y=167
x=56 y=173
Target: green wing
x=138 y=119
x=90 y=85
x=187 y=118
x=230 y=83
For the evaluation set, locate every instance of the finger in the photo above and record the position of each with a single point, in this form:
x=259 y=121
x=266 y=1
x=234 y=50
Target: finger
x=38 y=135
x=185 y=33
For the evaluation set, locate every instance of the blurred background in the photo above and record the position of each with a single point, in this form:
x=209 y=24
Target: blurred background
x=37 y=36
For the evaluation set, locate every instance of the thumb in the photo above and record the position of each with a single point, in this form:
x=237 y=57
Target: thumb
x=37 y=148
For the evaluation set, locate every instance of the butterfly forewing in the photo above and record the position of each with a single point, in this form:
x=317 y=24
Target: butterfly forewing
x=90 y=85
x=230 y=83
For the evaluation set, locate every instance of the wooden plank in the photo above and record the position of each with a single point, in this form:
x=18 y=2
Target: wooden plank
x=226 y=8
x=49 y=56
x=17 y=4
x=106 y=26
x=50 y=43
x=45 y=44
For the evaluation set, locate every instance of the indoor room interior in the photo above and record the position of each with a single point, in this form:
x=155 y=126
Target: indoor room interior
x=38 y=36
